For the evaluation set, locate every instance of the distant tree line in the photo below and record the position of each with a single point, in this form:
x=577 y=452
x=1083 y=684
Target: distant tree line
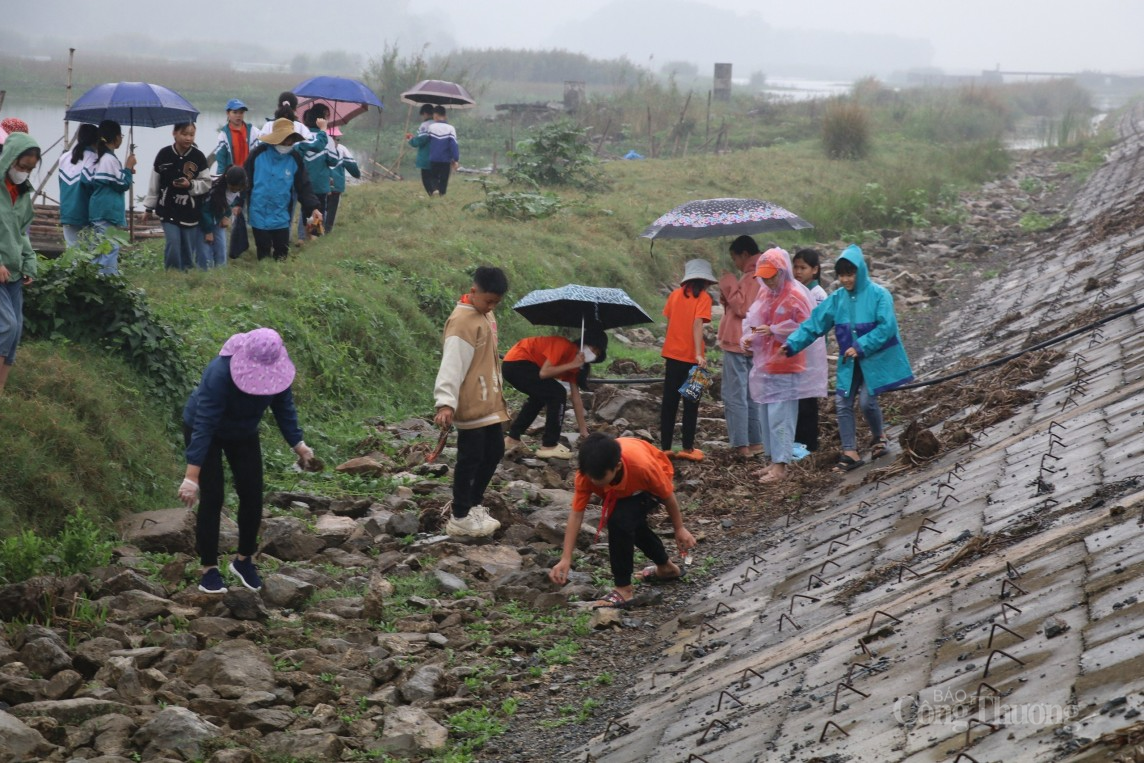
x=514 y=65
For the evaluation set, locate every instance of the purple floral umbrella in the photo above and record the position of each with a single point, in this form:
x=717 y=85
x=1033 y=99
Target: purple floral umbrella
x=707 y=218
x=439 y=92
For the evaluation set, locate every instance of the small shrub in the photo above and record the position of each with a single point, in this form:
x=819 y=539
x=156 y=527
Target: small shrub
x=515 y=205
x=558 y=154
x=73 y=301
x=22 y=556
x=846 y=131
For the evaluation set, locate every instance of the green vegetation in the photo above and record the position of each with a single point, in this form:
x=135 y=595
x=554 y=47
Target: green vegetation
x=79 y=546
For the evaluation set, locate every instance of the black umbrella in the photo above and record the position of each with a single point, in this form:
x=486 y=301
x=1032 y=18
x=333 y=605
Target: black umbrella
x=707 y=218
x=439 y=92
x=574 y=305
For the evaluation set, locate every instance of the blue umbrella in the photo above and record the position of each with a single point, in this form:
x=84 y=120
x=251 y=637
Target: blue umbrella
x=136 y=104
x=338 y=89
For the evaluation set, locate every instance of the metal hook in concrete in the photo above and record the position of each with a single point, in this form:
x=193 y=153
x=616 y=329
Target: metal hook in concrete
x=975 y=722
x=875 y=616
x=993 y=630
x=840 y=687
x=813 y=577
x=789 y=619
x=1006 y=583
x=725 y=606
x=1004 y=654
x=794 y=596
x=712 y=725
x=725 y=693
x=1005 y=606
x=903 y=567
x=826 y=727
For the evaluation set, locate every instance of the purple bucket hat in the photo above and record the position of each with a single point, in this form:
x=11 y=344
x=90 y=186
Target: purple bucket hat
x=259 y=364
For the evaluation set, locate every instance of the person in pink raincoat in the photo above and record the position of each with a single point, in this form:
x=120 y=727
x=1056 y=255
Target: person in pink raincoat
x=778 y=382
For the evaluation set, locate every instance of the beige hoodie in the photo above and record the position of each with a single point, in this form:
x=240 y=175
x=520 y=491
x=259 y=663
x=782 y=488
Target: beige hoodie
x=469 y=380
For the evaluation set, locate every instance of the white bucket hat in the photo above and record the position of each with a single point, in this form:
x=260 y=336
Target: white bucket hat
x=698 y=269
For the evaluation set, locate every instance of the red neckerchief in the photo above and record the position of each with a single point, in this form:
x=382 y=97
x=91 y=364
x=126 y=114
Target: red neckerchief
x=610 y=499
x=465 y=299
x=13 y=189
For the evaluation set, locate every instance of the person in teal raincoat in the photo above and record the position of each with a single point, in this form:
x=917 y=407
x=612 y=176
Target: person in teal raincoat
x=871 y=358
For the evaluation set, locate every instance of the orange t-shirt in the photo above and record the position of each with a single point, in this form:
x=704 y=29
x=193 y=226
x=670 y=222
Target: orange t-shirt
x=554 y=349
x=241 y=143
x=681 y=310
x=646 y=469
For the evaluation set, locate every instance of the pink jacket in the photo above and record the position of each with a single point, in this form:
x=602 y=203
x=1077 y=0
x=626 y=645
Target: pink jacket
x=736 y=296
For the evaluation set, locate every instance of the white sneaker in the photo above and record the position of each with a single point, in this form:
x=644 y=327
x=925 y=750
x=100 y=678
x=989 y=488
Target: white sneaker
x=485 y=518
x=558 y=450
x=471 y=526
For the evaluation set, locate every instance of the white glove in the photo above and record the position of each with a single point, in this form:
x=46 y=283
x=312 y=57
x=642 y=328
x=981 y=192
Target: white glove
x=305 y=452
x=189 y=492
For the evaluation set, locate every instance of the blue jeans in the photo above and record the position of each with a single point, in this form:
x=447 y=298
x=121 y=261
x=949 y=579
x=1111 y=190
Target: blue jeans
x=72 y=234
x=743 y=415
x=11 y=318
x=180 y=246
x=109 y=261
x=779 y=421
x=213 y=254
x=844 y=405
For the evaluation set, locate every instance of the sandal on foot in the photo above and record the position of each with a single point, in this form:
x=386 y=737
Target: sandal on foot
x=848 y=464
x=612 y=600
x=649 y=575
x=879 y=448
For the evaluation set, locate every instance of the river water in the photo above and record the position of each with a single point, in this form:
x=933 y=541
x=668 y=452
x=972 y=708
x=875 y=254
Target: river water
x=46 y=125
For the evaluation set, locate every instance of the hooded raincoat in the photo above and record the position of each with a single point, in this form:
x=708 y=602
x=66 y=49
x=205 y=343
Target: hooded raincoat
x=863 y=319
x=16 y=252
x=776 y=378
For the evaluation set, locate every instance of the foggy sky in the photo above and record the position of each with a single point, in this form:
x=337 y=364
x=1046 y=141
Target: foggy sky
x=956 y=35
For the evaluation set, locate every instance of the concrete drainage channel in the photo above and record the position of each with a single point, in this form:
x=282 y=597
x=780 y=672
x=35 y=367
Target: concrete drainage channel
x=978 y=607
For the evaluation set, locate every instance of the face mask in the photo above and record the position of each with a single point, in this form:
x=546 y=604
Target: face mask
x=589 y=355
x=18 y=177
x=284 y=149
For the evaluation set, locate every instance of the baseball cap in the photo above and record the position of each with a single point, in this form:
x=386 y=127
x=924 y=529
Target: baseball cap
x=236 y=105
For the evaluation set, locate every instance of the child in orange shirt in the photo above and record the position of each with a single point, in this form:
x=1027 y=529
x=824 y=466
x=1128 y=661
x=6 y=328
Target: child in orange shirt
x=634 y=478
x=687 y=309
x=536 y=366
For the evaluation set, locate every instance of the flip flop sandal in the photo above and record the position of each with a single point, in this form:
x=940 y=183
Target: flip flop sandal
x=613 y=600
x=649 y=575
x=848 y=464
x=879 y=448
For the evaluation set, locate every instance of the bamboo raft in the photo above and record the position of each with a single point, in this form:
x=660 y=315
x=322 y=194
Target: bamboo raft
x=48 y=237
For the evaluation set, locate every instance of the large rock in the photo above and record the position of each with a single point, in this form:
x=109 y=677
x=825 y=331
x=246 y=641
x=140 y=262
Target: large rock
x=18 y=742
x=289 y=539
x=166 y=530
x=493 y=560
x=30 y=599
x=410 y=731
x=45 y=657
x=422 y=685
x=308 y=744
x=137 y=605
x=638 y=407
x=334 y=530
x=233 y=663
x=70 y=712
x=176 y=729
x=285 y=591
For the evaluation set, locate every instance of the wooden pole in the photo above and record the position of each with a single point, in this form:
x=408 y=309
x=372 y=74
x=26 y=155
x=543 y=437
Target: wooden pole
x=707 y=132
x=67 y=98
x=650 y=138
x=603 y=137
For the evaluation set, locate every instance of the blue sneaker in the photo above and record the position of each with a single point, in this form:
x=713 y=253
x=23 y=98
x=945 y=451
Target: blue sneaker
x=212 y=582
x=247 y=573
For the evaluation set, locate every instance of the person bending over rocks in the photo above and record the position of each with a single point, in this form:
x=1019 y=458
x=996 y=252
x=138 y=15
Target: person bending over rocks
x=634 y=478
